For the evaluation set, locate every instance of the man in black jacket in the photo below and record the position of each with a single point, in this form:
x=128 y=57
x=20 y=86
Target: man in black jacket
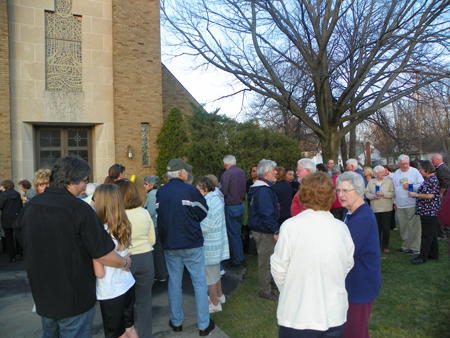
x=11 y=206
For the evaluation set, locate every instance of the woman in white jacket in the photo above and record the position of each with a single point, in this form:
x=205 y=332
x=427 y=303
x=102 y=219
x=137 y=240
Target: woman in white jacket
x=311 y=260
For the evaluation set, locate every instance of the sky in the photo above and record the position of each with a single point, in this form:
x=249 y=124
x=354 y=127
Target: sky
x=206 y=86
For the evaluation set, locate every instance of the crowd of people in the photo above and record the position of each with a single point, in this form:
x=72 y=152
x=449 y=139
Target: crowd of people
x=318 y=239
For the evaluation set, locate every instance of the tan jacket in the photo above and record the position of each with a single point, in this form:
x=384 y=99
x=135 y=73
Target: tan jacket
x=384 y=203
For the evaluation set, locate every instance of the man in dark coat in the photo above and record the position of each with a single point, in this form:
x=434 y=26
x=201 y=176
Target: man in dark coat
x=11 y=206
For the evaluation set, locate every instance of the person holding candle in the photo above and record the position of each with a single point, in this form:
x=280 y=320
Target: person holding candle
x=380 y=193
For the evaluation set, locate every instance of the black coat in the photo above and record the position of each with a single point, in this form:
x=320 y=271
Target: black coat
x=11 y=206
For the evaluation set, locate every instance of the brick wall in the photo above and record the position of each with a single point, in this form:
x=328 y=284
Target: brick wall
x=174 y=94
x=137 y=81
x=5 y=106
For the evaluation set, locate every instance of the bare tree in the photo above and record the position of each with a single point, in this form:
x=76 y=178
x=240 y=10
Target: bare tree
x=319 y=59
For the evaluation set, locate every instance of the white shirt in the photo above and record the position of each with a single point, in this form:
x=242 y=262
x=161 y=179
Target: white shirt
x=402 y=200
x=116 y=281
x=310 y=262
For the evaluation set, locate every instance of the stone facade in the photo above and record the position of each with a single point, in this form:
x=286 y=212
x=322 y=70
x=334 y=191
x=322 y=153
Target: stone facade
x=124 y=87
x=5 y=122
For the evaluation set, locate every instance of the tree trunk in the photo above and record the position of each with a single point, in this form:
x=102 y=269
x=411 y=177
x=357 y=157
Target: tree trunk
x=330 y=147
x=343 y=146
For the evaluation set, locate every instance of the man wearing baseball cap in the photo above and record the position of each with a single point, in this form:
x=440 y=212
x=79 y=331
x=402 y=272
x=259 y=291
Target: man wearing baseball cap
x=181 y=208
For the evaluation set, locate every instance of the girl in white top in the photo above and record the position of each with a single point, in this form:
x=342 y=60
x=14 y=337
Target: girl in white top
x=115 y=286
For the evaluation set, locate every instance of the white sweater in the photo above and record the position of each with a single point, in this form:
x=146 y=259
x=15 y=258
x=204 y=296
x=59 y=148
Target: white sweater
x=402 y=200
x=311 y=260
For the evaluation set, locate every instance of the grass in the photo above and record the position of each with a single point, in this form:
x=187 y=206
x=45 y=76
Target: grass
x=414 y=301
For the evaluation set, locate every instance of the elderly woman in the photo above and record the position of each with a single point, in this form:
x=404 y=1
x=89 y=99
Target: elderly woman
x=363 y=283
x=151 y=185
x=380 y=193
x=284 y=194
x=215 y=245
x=142 y=241
x=428 y=201
x=41 y=179
x=312 y=257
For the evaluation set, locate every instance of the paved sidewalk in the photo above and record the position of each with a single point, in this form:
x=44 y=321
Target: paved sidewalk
x=16 y=303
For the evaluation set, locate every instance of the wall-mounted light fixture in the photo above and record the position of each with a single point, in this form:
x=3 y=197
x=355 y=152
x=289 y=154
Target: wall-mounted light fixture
x=130 y=152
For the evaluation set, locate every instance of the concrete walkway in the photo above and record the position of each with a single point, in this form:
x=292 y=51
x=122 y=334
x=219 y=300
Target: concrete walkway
x=16 y=303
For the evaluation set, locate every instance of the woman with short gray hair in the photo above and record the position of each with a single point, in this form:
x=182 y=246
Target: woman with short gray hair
x=380 y=193
x=151 y=185
x=363 y=283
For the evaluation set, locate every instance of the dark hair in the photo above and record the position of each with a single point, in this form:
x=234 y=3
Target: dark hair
x=281 y=174
x=427 y=166
x=205 y=183
x=25 y=184
x=67 y=170
x=289 y=169
x=130 y=195
x=113 y=173
x=321 y=167
x=416 y=164
x=317 y=191
x=7 y=184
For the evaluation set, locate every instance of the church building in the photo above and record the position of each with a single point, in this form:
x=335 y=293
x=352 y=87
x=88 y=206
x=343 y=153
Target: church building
x=82 y=77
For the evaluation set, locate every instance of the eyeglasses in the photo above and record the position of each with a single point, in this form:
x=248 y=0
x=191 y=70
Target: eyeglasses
x=344 y=191
x=86 y=180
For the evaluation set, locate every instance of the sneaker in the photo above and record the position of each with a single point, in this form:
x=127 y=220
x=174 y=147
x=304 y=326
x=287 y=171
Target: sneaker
x=412 y=252
x=221 y=299
x=214 y=308
x=401 y=250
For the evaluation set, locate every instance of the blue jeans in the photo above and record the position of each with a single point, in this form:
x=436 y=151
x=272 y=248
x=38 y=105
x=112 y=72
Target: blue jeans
x=73 y=327
x=194 y=261
x=234 y=215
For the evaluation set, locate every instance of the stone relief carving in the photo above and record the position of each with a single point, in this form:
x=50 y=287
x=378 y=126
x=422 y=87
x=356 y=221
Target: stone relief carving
x=63 y=49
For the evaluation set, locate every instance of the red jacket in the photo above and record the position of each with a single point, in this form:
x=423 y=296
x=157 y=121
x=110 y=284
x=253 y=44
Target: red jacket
x=296 y=206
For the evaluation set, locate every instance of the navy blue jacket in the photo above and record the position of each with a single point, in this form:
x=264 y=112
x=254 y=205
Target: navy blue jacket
x=264 y=209
x=283 y=191
x=363 y=282
x=180 y=208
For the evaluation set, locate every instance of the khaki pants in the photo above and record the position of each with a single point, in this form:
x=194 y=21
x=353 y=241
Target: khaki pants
x=410 y=228
x=265 y=244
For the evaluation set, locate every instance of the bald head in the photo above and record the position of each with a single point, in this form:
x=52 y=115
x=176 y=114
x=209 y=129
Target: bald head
x=437 y=159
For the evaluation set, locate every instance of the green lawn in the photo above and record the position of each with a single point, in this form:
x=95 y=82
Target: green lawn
x=413 y=303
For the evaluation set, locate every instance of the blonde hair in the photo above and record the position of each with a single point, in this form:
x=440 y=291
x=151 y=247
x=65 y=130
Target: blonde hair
x=110 y=209
x=42 y=176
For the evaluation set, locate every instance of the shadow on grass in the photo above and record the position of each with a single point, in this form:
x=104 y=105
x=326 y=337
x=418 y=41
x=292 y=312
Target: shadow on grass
x=413 y=302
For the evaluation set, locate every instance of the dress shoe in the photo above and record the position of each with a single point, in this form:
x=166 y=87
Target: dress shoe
x=206 y=331
x=175 y=328
x=417 y=260
x=271 y=296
